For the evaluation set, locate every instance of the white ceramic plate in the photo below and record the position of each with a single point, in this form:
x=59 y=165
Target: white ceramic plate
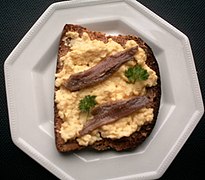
x=29 y=75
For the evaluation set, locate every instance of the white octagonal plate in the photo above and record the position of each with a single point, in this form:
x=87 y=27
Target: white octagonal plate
x=29 y=75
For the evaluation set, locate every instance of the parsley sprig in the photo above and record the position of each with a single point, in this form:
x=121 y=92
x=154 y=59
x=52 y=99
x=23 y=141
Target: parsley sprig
x=87 y=103
x=136 y=73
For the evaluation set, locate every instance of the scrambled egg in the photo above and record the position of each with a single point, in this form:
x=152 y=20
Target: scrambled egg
x=86 y=53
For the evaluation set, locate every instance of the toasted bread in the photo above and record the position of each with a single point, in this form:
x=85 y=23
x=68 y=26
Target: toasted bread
x=153 y=93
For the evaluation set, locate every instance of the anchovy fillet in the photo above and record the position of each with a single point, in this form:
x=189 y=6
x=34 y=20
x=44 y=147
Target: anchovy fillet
x=111 y=112
x=101 y=71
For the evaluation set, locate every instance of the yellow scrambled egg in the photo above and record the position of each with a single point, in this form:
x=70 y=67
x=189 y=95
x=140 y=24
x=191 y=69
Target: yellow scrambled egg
x=86 y=53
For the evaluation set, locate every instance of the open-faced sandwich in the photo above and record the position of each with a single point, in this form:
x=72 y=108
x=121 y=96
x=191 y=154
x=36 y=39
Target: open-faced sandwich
x=107 y=91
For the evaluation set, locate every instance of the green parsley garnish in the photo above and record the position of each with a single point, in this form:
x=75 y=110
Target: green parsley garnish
x=136 y=73
x=87 y=103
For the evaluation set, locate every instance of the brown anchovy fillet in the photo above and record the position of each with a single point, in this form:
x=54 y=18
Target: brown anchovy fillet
x=100 y=72
x=110 y=112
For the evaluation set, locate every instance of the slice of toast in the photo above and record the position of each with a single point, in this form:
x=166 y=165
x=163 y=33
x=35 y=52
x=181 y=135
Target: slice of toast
x=153 y=93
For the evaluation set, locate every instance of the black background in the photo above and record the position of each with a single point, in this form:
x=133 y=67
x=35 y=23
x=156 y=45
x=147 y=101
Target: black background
x=17 y=17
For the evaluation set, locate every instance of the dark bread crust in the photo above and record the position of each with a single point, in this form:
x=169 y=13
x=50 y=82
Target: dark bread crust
x=153 y=93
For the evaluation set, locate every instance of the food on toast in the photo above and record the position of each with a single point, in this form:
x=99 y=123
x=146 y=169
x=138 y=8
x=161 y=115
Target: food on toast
x=107 y=91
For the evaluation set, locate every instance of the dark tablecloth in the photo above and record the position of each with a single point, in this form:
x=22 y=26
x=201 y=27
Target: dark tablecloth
x=17 y=17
